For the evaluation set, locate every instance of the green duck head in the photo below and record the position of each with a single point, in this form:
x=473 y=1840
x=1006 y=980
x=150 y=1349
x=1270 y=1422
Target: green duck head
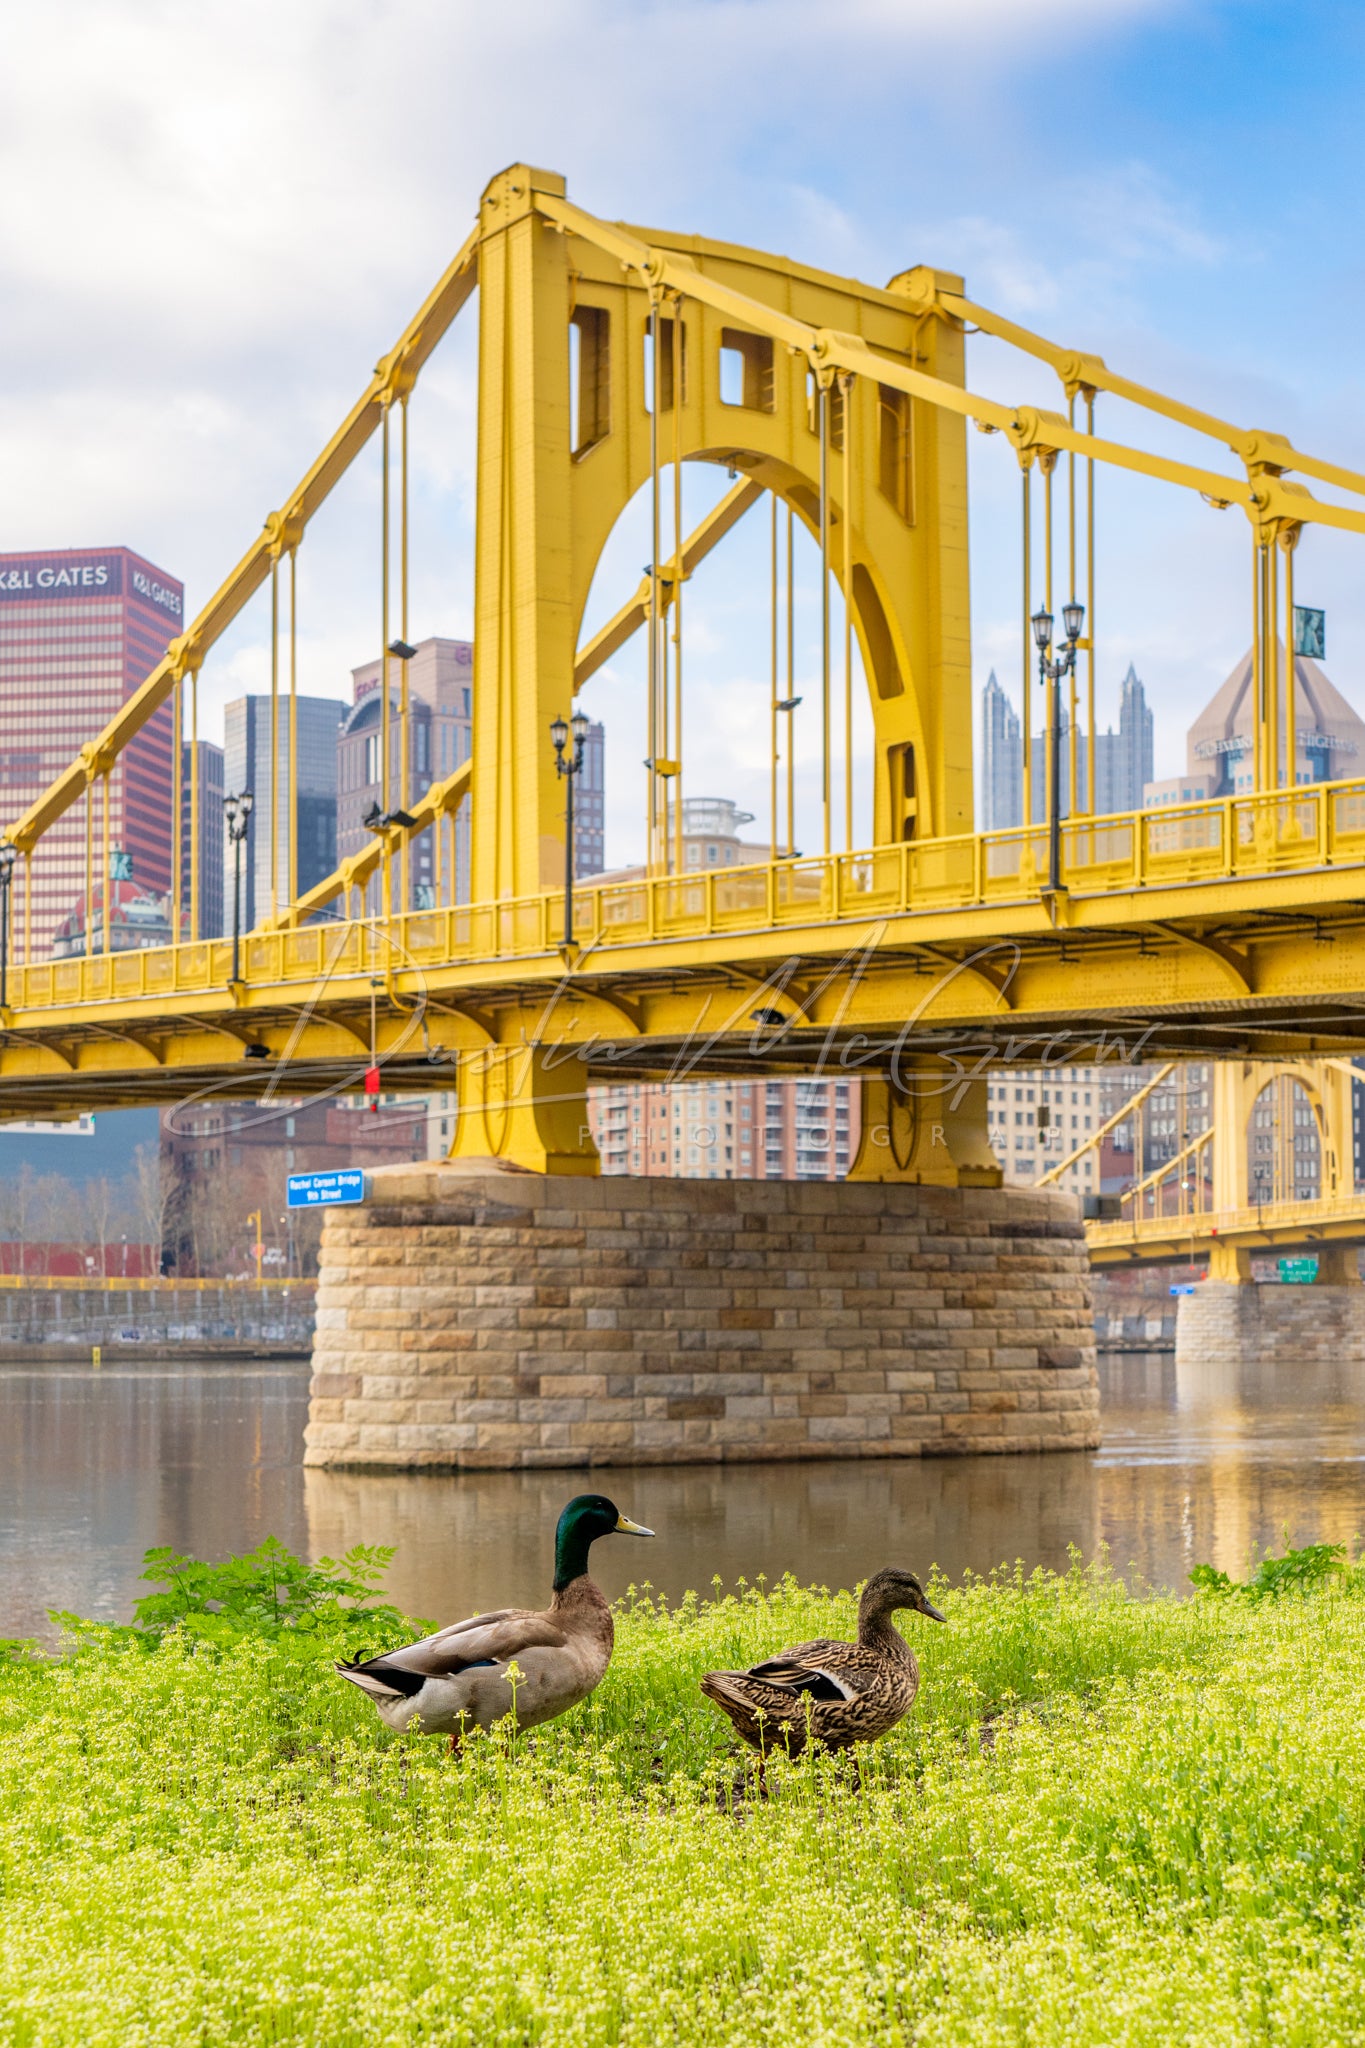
x=588 y=1516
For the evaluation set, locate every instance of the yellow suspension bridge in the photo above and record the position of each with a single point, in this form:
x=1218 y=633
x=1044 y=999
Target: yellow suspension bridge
x=907 y=943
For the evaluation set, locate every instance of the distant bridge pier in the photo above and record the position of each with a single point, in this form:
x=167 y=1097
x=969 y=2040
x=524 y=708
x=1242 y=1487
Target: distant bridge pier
x=511 y=1307
x=1233 y=1320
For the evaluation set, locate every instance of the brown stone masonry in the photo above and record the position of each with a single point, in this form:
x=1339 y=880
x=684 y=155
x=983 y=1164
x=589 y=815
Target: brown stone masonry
x=493 y=1318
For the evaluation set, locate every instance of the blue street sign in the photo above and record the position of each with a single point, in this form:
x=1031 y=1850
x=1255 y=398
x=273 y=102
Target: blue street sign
x=326 y=1190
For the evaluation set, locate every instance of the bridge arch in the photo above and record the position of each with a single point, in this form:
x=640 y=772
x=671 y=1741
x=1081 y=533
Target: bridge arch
x=1261 y=1107
x=574 y=415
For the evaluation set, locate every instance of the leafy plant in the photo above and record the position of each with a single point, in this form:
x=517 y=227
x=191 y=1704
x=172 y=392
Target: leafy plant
x=327 y=1609
x=1298 y=1571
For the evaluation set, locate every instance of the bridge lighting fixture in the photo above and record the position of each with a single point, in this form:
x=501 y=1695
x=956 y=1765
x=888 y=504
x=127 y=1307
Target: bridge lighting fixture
x=237 y=810
x=786 y=703
x=401 y=650
x=569 y=764
x=9 y=854
x=1051 y=672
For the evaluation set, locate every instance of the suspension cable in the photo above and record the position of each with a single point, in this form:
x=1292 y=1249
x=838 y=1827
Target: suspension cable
x=195 y=930
x=404 y=698
x=1026 y=819
x=274 y=736
x=1074 y=806
x=823 y=395
x=1288 y=541
x=772 y=702
x=654 y=735
x=177 y=809
x=89 y=861
x=677 y=592
x=1272 y=661
x=293 y=727
x=791 y=680
x=846 y=386
x=108 y=910
x=1093 y=776
x=385 y=778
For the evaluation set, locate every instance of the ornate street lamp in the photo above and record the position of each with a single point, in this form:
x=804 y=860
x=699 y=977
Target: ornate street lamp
x=569 y=764
x=1049 y=671
x=237 y=812
x=8 y=856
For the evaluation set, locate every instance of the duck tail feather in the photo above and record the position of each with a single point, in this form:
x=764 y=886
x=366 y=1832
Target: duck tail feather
x=369 y=1683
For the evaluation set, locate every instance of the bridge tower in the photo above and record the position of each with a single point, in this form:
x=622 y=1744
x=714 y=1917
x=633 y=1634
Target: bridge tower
x=600 y=359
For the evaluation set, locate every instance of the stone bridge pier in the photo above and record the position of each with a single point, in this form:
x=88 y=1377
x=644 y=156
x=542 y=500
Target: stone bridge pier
x=475 y=1314
x=1232 y=1319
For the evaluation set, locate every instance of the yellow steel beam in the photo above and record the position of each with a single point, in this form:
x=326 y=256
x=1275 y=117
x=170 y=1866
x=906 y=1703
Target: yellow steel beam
x=1080 y=371
x=722 y=519
x=1028 y=428
x=1159 y=1173
x=355 y=871
x=394 y=376
x=1095 y=1138
x=1160 y=1239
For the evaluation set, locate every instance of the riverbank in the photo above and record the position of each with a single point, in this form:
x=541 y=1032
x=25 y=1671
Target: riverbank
x=1108 y=1820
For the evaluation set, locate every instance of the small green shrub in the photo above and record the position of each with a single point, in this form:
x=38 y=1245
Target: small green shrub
x=327 y=1609
x=1298 y=1571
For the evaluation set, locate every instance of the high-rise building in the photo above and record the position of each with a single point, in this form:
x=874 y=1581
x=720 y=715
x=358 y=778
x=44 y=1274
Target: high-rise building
x=1123 y=759
x=1329 y=735
x=589 y=805
x=440 y=681
x=1038 y=806
x=727 y=1129
x=247 y=765
x=1002 y=762
x=80 y=629
x=1039 y=1116
x=203 y=764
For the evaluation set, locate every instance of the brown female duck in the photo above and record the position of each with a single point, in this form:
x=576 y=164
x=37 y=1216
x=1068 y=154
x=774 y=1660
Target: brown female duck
x=828 y=1692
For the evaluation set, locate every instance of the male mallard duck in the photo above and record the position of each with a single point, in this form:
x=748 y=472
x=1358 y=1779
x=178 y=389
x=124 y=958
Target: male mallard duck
x=838 y=1693
x=458 y=1677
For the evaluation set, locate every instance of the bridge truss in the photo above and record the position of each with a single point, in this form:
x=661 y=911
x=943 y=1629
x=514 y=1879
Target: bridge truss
x=1222 y=929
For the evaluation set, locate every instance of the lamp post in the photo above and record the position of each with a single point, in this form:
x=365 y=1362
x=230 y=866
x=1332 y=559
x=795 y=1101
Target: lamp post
x=1260 y=1178
x=8 y=856
x=1049 y=671
x=569 y=764
x=237 y=811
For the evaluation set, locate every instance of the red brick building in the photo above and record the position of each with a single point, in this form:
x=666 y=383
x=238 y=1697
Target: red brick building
x=80 y=629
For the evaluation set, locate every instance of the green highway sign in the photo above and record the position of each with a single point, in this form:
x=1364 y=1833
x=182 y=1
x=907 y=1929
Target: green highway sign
x=1297 y=1272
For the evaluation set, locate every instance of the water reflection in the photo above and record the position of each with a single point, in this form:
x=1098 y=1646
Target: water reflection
x=1198 y=1463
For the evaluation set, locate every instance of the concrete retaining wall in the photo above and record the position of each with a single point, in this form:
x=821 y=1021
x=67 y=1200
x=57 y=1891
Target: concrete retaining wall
x=471 y=1317
x=43 y=1318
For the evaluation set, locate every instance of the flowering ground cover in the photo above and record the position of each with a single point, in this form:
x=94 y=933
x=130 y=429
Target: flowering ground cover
x=1110 y=1819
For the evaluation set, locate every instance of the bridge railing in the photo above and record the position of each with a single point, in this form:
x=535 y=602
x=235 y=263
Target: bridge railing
x=1269 y=1217
x=1313 y=827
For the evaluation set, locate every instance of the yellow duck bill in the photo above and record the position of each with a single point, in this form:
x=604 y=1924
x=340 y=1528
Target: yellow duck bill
x=625 y=1527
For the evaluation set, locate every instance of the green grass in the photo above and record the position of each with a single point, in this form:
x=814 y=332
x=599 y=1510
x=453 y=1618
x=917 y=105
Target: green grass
x=1110 y=1819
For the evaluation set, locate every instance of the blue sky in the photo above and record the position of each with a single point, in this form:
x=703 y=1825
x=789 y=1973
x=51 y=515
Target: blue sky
x=215 y=217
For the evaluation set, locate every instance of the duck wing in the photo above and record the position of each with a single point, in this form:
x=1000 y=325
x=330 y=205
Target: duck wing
x=815 y=1668
x=484 y=1639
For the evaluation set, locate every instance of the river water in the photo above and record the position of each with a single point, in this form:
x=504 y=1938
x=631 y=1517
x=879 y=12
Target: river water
x=1197 y=1464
